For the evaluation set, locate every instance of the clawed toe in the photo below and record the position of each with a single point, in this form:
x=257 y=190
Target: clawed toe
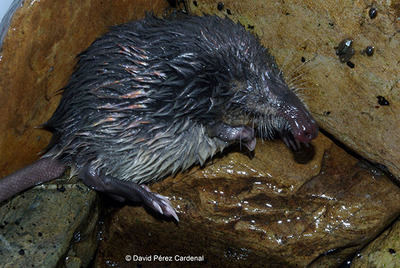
x=159 y=203
x=127 y=190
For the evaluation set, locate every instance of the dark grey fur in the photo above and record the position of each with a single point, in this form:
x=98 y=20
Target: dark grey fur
x=153 y=97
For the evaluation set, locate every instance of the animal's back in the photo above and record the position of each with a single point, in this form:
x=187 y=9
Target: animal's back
x=135 y=106
x=154 y=96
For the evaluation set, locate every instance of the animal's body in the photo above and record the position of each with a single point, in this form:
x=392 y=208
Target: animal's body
x=154 y=97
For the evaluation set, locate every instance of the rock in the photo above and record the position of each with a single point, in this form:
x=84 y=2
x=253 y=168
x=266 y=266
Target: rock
x=344 y=100
x=237 y=210
x=264 y=210
x=383 y=251
x=45 y=227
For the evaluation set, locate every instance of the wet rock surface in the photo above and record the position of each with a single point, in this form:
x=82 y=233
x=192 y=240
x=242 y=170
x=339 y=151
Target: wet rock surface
x=264 y=210
x=238 y=210
x=49 y=225
x=383 y=251
x=344 y=100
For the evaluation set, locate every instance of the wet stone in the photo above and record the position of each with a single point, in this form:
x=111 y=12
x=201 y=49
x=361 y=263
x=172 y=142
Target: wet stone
x=383 y=251
x=297 y=213
x=266 y=211
x=49 y=219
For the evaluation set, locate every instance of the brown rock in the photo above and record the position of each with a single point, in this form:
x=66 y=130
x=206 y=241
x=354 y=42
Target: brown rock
x=268 y=209
x=343 y=100
x=383 y=251
x=264 y=210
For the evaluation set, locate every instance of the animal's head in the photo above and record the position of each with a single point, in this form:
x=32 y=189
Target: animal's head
x=217 y=71
x=267 y=103
x=261 y=98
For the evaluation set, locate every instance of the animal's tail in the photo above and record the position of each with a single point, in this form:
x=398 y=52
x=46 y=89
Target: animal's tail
x=43 y=170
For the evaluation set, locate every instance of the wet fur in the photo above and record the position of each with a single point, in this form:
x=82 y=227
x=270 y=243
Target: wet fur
x=139 y=101
x=146 y=97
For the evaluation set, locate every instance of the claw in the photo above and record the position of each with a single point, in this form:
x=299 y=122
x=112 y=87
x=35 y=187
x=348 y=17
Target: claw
x=168 y=209
x=292 y=144
x=251 y=145
x=298 y=145
x=286 y=141
x=146 y=187
x=162 y=197
x=157 y=207
x=161 y=204
x=173 y=214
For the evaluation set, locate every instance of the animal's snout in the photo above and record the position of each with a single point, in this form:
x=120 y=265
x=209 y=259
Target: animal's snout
x=305 y=129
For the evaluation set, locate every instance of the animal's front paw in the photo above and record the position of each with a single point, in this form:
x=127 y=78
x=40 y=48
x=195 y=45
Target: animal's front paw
x=238 y=134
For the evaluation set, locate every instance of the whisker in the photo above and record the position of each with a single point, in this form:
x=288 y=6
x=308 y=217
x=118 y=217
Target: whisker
x=295 y=78
x=298 y=89
x=300 y=67
x=299 y=83
x=283 y=66
x=296 y=69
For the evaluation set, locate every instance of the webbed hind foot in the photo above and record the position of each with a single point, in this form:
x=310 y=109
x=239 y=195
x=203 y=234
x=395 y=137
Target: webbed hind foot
x=127 y=190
